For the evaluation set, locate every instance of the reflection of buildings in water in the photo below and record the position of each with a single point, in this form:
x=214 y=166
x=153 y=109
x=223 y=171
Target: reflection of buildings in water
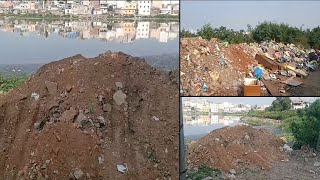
x=124 y=32
x=214 y=119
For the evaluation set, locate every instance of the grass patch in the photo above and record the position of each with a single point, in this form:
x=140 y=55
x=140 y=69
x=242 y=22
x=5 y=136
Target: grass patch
x=8 y=82
x=203 y=172
x=254 y=122
x=277 y=115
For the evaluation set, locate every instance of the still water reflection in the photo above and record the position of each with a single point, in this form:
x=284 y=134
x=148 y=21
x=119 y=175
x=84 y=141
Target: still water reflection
x=32 y=42
x=200 y=125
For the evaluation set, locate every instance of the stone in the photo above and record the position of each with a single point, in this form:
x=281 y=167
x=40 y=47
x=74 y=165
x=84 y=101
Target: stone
x=107 y=107
x=77 y=173
x=119 y=97
x=82 y=90
x=68 y=87
x=119 y=85
x=68 y=115
x=101 y=159
x=232 y=171
x=52 y=87
x=247 y=137
x=316 y=164
x=81 y=118
x=101 y=120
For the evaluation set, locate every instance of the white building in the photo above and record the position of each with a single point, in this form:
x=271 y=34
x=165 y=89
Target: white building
x=214 y=108
x=144 y=8
x=143 y=30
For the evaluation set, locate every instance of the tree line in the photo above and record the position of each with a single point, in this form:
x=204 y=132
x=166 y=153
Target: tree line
x=266 y=31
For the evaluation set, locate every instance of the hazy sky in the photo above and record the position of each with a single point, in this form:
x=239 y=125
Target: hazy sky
x=237 y=14
x=247 y=100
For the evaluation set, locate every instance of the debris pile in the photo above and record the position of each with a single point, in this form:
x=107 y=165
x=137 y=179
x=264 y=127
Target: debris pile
x=216 y=68
x=82 y=118
x=231 y=148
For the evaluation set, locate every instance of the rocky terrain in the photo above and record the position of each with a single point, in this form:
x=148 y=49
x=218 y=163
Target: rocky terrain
x=109 y=117
x=215 y=68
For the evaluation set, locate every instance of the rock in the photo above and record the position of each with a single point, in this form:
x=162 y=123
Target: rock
x=101 y=159
x=77 y=173
x=35 y=96
x=312 y=171
x=52 y=87
x=68 y=87
x=82 y=90
x=119 y=97
x=119 y=85
x=57 y=136
x=247 y=137
x=107 y=107
x=100 y=98
x=316 y=164
x=101 y=120
x=81 y=118
x=232 y=171
x=68 y=115
x=36 y=125
x=287 y=148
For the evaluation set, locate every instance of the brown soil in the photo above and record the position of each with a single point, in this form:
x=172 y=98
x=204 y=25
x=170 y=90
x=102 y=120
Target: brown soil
x=80 y=127
x=232 y=147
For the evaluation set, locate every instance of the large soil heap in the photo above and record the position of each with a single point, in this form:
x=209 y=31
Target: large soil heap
x=230 y=147
x=79 y=118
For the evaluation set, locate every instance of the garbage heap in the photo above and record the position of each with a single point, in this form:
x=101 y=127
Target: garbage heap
x=217 y=68
x=109 y=117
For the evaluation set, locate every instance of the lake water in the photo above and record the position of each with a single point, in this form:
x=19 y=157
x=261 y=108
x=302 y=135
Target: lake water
x=31 y=42
x=196 y=127
x=201 y=125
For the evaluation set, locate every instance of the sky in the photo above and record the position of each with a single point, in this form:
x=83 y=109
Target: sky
x=237 y=14
x=247 y=100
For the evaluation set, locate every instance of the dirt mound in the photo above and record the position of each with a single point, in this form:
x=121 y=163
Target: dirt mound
x=204 y=73
x=79 y=118
x=229 y=148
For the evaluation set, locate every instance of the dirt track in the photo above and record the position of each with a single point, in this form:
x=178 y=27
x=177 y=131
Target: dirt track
x=79 y=118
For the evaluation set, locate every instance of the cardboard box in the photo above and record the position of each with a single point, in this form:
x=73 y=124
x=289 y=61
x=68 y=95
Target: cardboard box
x=251 y=87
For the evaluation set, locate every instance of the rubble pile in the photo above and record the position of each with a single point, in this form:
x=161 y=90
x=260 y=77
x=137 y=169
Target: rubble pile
x=216 y=68
x=109 y=117
x=232 y=148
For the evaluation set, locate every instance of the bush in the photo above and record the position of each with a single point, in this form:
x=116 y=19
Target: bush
x=265 y=31
x=9 y=82
x=306 y=128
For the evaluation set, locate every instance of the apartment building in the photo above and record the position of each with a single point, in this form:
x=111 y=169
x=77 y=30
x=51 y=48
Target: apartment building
x=144 y=8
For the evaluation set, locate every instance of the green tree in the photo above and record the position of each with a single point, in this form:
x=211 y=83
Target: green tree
x=206 y=32
x=306 y=129
x=281 y=104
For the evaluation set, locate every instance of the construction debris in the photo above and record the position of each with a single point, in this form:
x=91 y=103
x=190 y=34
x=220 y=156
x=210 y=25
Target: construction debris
x=210 y=68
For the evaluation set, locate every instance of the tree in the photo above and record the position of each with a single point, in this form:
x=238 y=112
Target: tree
x=206 y=32
x=306 y=129
x=281 y=104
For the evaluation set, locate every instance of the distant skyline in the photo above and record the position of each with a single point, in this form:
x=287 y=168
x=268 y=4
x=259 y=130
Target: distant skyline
x=248 y=100
x=237 y=14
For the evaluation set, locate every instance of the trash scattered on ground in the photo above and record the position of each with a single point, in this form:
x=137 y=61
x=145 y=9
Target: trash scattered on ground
x=87 y=118
x=211 y=68
x=121 y=168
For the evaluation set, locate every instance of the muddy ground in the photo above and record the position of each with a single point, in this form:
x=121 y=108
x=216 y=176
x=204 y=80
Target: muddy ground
x=79 y=118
